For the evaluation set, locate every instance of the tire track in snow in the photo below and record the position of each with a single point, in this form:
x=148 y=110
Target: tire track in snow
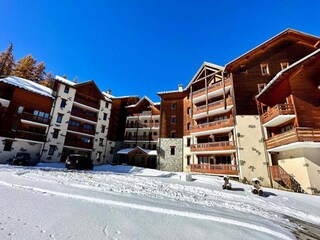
x=159 y=210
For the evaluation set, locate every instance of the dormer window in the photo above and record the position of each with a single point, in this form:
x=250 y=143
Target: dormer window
x=264 y=69
x=243 y=68
x=284 y=65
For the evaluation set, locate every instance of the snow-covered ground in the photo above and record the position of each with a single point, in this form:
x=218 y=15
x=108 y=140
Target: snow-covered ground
x=124 y=202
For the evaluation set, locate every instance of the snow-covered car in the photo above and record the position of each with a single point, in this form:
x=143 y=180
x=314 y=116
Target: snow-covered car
x=77 y=161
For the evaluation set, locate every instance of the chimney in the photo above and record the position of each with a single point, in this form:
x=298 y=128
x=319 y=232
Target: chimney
x=109 y=91
x=180 y=87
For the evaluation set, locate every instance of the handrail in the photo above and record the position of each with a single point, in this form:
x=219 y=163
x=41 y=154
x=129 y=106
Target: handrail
x=211 y=87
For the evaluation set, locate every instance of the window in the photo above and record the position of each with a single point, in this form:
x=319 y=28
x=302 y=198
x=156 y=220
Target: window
x=143 y=146
x=55 y=133
x=188 y=111
x=243 y=68
x=63 y=103
x=8 y=145
x=173 y=105
x=66 y=89
x=223 y=159
x=111 y=150
x=154 y=146
x=20 y=110
x=261 y=86
x=188 y=160
x=286 y=128
x=155 y=133
x=52 y=149
x=284 y=65
x=105 y=116
x=98 y=156
x=87 y=126
x=107 y=104
x=188 y=142
x=59 y=118
x=172 y=150
x=173 y=119
x=100 y=141
x=173 y=134
x=264 y=68
x=103 y=128
x=188 y=126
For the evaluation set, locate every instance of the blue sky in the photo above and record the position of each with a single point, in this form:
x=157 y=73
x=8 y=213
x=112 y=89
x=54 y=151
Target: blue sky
x=143 y=47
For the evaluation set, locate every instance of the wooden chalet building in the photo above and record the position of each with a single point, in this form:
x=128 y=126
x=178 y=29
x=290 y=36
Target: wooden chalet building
x=290 y=113
x=214 y=122
x=141 y=134
x=25 y=117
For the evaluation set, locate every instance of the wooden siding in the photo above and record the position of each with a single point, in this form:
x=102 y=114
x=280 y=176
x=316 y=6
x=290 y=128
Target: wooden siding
x=245 y=84
x=213 y=125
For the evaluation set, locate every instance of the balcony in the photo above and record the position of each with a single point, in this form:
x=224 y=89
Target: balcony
x=29 y=136
x=142 y=125
x=214 y=108
x=84 y=115
x=294 y=139
x=219 y=169
x=213 y=91
x=141 y=138
x=35 y=118
x=86 y=102
x=221 y=126
x=78 y=144
x=278 y=115
x=214 y=147
x=81 y=130
x=4 y=102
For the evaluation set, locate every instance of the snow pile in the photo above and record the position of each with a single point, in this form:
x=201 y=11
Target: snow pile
x=150 y=204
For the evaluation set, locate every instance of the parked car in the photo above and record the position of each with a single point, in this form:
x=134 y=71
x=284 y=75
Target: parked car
x=77 y=161
x=22 y=159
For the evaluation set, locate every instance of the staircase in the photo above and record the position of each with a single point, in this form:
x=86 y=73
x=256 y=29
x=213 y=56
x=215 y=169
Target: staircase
x=285 y=179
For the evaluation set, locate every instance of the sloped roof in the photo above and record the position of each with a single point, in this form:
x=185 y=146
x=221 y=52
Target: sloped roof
x=288 y=69
x=28 y=85
x=140 y=101
x=288 y=32
x=127 y=151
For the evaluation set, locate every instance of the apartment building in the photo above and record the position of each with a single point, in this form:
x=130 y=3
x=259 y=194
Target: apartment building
x=290 y=114
x=214 y=124
x=141 y=134
x=117 y=125
x=25 y=117
x=80 y=122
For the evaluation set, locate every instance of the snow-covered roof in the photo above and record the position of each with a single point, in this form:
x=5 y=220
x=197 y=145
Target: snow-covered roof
x=279 y=74
x=126 y=97
x=107 y=96
x=126 y=151
x=65 y=81
x=144 y=98
x=28 y=85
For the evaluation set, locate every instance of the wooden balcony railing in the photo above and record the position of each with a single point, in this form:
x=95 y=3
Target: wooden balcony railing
x=213 y=146
x=294 y=135
x=211 y=88
x=142 y=125
x=223 y=169
x=86 y=102
x=84 y=115
x=277 y=110
x=79 y=144
x=81 y=129
x=142 y=138
x=212 y=125
x=285 y=179
x=212 y=106
x=35 y=118
x=144 y=113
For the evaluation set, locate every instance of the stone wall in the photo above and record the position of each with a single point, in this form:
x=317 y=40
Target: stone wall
x=166 y=161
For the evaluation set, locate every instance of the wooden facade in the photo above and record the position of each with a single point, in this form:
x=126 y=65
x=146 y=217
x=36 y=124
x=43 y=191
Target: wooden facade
x=27 y=115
